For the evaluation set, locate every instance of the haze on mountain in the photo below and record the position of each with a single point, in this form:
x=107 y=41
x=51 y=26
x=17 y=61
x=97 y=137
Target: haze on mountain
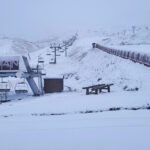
x=38 y=19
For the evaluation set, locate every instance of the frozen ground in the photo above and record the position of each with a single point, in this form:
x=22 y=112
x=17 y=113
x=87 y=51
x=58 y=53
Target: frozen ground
x=111 y=130
x=20 y=128
x=54 y=121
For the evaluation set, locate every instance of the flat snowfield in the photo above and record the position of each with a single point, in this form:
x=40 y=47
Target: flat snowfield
x=123 y=130
x=55 y=121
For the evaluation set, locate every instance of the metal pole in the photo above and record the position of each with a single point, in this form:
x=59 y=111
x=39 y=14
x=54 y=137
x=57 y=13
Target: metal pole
x=40 y=80
x=55 y=48
x=55 y=55
x=65 y=51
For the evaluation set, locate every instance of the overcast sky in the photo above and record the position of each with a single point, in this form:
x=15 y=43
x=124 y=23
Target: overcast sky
x=37 y=19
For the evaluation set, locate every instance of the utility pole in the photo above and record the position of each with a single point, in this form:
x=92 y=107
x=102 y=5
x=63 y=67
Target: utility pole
x=55 y=48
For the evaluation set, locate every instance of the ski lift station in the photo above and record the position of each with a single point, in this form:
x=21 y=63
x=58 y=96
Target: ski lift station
x=18 y=67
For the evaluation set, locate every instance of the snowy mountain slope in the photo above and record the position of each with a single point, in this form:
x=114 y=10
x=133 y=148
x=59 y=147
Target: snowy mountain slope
x=54 y=39
x=45 y=43
x=134 y=39
x=135 y=35
x=13 y=46
x=86 y=66
x=43 y=122
x=138 y=36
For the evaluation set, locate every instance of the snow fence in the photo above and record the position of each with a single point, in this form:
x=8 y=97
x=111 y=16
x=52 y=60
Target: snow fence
x=133 y=56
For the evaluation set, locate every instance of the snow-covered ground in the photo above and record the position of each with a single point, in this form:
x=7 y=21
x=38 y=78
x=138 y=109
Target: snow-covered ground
x=16 y=46
x=27 y=124
x=54 y=121
x=113 y=130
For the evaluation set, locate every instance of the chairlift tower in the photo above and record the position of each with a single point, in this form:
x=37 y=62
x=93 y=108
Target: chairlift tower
x=40 y=83
x=9 y=67
x=65 y=47
x=4 y=90
x=55 y=48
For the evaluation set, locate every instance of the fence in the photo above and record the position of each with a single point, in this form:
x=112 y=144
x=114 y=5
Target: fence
x=133 y=56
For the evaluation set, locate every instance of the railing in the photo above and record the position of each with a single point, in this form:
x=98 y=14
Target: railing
x=133 y=56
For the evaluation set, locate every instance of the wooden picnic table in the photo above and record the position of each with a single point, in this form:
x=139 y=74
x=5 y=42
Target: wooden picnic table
x=95 y=89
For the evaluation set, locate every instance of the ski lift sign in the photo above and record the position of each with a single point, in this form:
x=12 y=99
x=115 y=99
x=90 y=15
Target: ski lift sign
x=9 y=63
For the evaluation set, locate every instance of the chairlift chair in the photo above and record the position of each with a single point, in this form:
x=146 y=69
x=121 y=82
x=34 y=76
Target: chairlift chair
x=43 y=72
x=61 y=51
x=48 y=53
x=4 y=86
x=40 y=60
x=21 y=87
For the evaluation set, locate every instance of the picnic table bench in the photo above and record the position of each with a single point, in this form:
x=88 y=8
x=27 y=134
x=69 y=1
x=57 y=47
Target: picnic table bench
x=95 y=89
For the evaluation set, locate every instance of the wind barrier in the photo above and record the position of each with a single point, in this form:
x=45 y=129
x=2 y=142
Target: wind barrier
x=133 y=56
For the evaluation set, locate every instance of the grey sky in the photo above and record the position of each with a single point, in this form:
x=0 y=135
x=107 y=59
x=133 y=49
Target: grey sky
x=37 y=19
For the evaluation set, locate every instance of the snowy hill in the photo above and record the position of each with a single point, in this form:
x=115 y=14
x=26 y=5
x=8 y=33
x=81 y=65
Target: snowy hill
x=92 y=66
x=15 y=46
x=87 y=66
x=71 y=118
x=125 y=37
x=135 y=35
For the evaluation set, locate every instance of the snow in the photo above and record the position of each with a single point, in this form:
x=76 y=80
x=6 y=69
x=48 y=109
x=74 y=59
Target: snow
x=72 y=102
x=123 y=130
x=28 y=123
x=15 y=46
